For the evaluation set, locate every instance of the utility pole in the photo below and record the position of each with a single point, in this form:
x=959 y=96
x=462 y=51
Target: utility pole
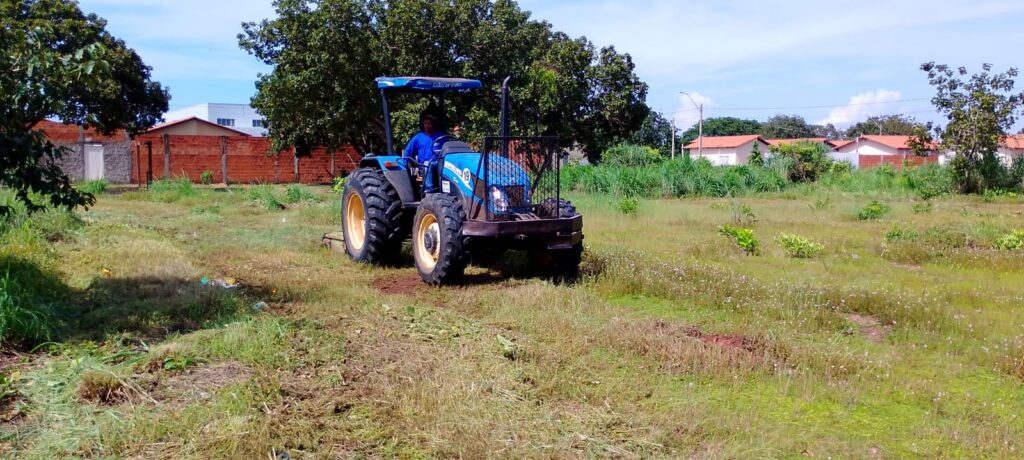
x=673 y=137
x=700 y=127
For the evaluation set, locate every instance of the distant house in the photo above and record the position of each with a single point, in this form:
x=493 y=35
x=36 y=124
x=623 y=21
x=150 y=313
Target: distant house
x=194 y=126
x=90 y=155
x=727 y=150
x=240 y=117
x=870 y=151
x=1010 y=148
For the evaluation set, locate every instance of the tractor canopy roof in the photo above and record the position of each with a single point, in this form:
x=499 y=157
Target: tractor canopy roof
x=426 y=84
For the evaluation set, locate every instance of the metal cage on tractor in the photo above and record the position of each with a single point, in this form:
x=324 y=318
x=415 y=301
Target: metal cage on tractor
x=506 y=195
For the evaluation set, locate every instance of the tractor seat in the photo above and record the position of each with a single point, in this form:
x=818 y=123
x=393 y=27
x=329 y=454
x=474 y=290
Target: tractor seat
x=456 y=147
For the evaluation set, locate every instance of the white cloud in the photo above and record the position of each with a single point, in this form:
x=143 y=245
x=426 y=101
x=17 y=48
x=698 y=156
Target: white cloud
x=688 y=114
x=862 y=106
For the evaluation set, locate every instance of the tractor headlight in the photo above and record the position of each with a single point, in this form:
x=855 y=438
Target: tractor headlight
x=499 y=200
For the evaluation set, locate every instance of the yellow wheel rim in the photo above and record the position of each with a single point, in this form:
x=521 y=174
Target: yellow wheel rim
x=427 y=242
x=355 y=222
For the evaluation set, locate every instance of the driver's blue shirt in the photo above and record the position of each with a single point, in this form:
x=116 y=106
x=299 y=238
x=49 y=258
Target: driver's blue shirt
x=421 y=146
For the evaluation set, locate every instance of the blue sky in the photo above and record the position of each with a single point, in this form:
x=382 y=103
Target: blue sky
x=837 y=61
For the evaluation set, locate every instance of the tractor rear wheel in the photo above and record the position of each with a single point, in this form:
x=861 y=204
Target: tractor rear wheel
x=438 y=246
x=371 y=218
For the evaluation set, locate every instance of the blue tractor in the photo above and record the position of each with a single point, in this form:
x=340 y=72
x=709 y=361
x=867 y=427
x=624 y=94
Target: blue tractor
x=482 y=202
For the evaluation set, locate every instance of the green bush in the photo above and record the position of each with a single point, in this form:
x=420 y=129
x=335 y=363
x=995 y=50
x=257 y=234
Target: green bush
x=923 y=207
x=263 y=194
x=899 y=233
x=171 y=190
x=338 y=184
x=94 y=187
x=21 y=318
x=1013 y=241
x=743 y=237
x=929 y=181
x=629 y=205
x=874 y=210
x=629 y=155
x=295 y=193
x=206 y=177
x=798 y=246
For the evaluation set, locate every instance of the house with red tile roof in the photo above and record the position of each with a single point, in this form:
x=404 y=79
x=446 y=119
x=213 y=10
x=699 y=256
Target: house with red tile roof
x=868 y=151
x=727 y=150
x=1011 y=148
x=829 y=142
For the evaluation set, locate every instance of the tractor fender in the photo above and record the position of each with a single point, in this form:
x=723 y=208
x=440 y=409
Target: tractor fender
x=396 y=172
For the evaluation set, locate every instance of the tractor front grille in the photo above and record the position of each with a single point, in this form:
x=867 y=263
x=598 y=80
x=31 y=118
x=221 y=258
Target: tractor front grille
x=516 y=196
x=525 y=168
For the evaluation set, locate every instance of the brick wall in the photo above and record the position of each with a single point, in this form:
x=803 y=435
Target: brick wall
x=896 y=161
x=246 y=159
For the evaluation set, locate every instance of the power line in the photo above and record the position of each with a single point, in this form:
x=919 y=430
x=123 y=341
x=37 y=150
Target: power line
x=822 y=106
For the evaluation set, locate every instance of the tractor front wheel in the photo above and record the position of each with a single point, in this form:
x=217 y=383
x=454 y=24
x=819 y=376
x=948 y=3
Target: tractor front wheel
x=371 y=218
x=559 y=265
x=438 y=245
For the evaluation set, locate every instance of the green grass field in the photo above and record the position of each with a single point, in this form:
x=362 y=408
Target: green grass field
x=903 y=337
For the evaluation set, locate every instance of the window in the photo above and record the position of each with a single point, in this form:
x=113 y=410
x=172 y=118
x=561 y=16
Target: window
x=259 y=124
x=226 y=121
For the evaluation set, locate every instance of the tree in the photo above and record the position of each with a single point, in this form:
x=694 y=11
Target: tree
x=326 y=53
x=828 y=131
x=787 y=127
x=62 y=64
x=892 y=125
x=723 y=126
x=656 y=132
x=806 y=160
x=979 y=111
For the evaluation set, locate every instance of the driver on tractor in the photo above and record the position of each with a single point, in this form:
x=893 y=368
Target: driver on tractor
x=421 y=147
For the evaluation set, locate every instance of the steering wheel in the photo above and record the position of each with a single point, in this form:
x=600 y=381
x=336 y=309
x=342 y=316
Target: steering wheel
x=439 y=143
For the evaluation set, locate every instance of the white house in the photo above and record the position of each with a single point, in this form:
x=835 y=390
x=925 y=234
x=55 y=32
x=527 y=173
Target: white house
x=869 y=151
x=240 y=117
x=727 y=150
x=1011 y=148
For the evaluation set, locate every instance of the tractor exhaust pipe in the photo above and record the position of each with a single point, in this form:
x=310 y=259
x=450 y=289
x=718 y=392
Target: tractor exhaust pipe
x=504 y=107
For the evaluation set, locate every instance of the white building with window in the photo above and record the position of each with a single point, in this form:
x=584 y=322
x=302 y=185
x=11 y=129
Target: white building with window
x=240 y=117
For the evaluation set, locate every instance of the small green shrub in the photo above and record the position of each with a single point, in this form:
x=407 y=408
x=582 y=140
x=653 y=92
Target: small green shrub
x=1013 y=241
x=264 y=195
x=94 y=187
x=295 y=193
x=742 y=214
x=21 y=321
x=338 y=184
x=206 y=177
x=822 y=204
x=873 y=211
x=743 y=237
x=629 y=205
x=628 y=155
x=179 y=362
x=923 y=207
x=171 y=190
x=899 y=233
x=798 y=246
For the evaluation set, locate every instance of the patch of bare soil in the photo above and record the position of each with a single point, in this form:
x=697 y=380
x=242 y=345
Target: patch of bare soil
x=199 y=383
x=870 y=327
x=729 y=342
x=406 y=284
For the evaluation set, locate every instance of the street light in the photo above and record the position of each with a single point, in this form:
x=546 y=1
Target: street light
x=700 y=127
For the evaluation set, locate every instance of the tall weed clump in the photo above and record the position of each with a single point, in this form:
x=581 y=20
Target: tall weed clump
x=673 y=178
x=172 y=190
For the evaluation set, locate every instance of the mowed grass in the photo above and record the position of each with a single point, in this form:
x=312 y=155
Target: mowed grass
x=674 y=344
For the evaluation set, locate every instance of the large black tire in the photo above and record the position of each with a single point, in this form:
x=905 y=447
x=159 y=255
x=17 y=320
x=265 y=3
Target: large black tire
x=559 y=265
x=556 y=208
x=371 y=218
x=438 y=246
